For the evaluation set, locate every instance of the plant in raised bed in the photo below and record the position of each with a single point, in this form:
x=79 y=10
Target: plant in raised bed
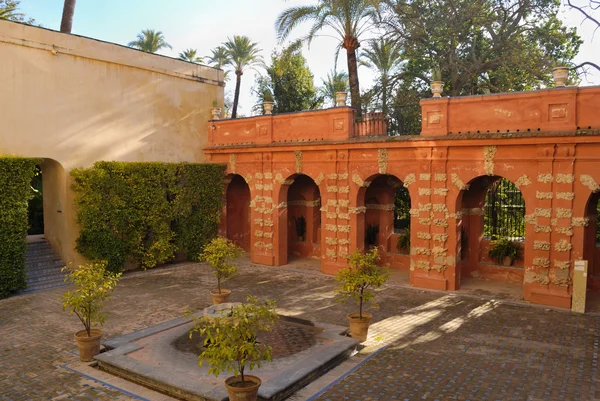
x=504 y=251
x=221 y=253
x=357 y=282
x=93 y=285
x=231 y=345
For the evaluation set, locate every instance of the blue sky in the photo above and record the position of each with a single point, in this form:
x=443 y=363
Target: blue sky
x=204 y=24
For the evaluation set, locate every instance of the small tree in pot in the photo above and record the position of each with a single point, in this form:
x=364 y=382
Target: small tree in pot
x=357 y=282
x=220 y=253
x=93 y=285
x=231 y=345
x=504 y=251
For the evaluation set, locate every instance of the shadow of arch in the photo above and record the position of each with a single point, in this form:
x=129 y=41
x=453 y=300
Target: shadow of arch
x=238 y=211
x=491 y=208
x=300 y=219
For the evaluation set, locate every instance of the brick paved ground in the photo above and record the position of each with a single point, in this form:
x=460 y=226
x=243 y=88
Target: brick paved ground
x=437 y=346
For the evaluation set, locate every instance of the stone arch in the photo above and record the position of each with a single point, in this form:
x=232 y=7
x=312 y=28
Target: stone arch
x=591 y=240
x=237 y=215
x=378 y=224
x=299 y=204
x=472 y=244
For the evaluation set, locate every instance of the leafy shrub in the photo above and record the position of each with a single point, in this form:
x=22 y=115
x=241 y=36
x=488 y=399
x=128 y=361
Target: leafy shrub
x=362 y=274
x=403 y=244
x=93 y=284
x=15 y=191
x=502 y=248
x=146 y=212
x=220 y=253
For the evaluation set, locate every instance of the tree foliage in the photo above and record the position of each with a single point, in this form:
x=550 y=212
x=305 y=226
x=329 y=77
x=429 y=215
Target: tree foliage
x=349 y=20
x=190 y=55
x=221 y=253
x=16 y=174
x=360 y=277
x=93 y=285
x=289 y=80
x=231 y=341
x=9 y=11
x=335 y=82
x=481 y=46
x=150 y=41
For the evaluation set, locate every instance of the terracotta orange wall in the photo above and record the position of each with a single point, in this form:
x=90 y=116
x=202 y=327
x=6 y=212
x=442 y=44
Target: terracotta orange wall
x=557 y=109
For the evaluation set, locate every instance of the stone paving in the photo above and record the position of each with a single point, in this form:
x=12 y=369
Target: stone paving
x=422 y=346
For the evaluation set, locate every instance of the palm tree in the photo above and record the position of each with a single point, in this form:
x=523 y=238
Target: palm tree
x=242 y=53
x=67 y=17
x=219 y=57
x=335 y=82
x=149 y=41
x=191 y=56
x=349 y=19
x=383 y=56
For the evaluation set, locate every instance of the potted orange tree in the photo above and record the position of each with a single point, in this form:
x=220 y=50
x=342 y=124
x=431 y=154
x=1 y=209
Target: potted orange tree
x=230 y=344
x=357 y=282
x=221 y=253
x=93 y=285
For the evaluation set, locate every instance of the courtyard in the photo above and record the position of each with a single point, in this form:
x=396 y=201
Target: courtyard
x=477 y=344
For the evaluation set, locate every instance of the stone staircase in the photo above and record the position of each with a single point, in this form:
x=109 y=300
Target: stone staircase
x=42 y=266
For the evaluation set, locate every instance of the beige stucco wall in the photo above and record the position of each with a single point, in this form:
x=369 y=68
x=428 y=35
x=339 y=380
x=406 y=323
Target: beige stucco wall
x=76 y=100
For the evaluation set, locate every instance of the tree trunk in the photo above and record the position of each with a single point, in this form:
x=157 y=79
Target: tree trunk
x=236 y=97
x=384 y=84
x=67 y=17
x=353 y=78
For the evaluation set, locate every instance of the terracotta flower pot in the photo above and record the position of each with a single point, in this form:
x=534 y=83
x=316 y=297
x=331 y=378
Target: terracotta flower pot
x=216 y=113
x=249 y=392
x=220 y=298
x=268 y=107
x=89 y=347
x=437 y=87
x=560 y=75
x=340 y=98
x=359 y=327
x=507 y=261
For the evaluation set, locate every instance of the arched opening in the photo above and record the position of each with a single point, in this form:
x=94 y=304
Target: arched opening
x=492 y=230
x=591 y=244
x=304 y=218
x=387 y=219
x=35 y=209
x=238 y=212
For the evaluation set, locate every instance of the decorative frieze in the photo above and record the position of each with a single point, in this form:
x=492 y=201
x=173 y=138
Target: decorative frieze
x=580 y=221
x=233 y=162
x=564 y=213
x=543 y=229
x=440 y=207
x=522 y=181
x=565 y=231
x=331 y=241
x=440 y=237
x=458 y=182
x=440 y=222
x=258 y=176
x=377 y=206
x=331 y=227
x=543 y=195
x=409 y=180
x=589 y=182
x=541 y=245
x=440 y=191
x=424 y=176
x=425 y=191
x=298 y=157
x=440 y=177
x=562 y=264
x=357 y=210
x=565 y=195
x=542 y=212
x=423 y=235
x=541 y=262
x=425 y=221
x=489 y=152
x=269 y=175
x=530 y=219
x=545 y=178
x=382 y=160
x=562 y=246
x=344 y=190
x=565 y=178
x=343 y=228
x=417 y=250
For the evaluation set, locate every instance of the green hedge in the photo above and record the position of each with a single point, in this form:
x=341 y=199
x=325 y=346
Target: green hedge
x=15 y=191
x=146 y=212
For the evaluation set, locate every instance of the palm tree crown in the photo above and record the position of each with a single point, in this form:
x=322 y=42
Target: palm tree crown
x=219 y=57
x=190 y=55
x=150 y=41
x=242 y=53
x=383 y=56
x=349 y=19
x=335 y=82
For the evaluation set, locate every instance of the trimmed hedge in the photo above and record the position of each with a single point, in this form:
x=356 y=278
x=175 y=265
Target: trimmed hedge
x=15 y=192
x=146 y=212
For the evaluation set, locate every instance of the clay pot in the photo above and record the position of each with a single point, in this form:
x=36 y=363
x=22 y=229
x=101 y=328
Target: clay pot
x=560 y=75
x=507 y=261
x=359 y=328
x=89 y=347
x=268 y=106
x=247 y=393
x=216 y=113
x=437 y=87
x=340 y=98
x=220 y=298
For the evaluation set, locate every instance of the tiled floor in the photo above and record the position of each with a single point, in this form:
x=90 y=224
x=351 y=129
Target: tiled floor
x=428 y=345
